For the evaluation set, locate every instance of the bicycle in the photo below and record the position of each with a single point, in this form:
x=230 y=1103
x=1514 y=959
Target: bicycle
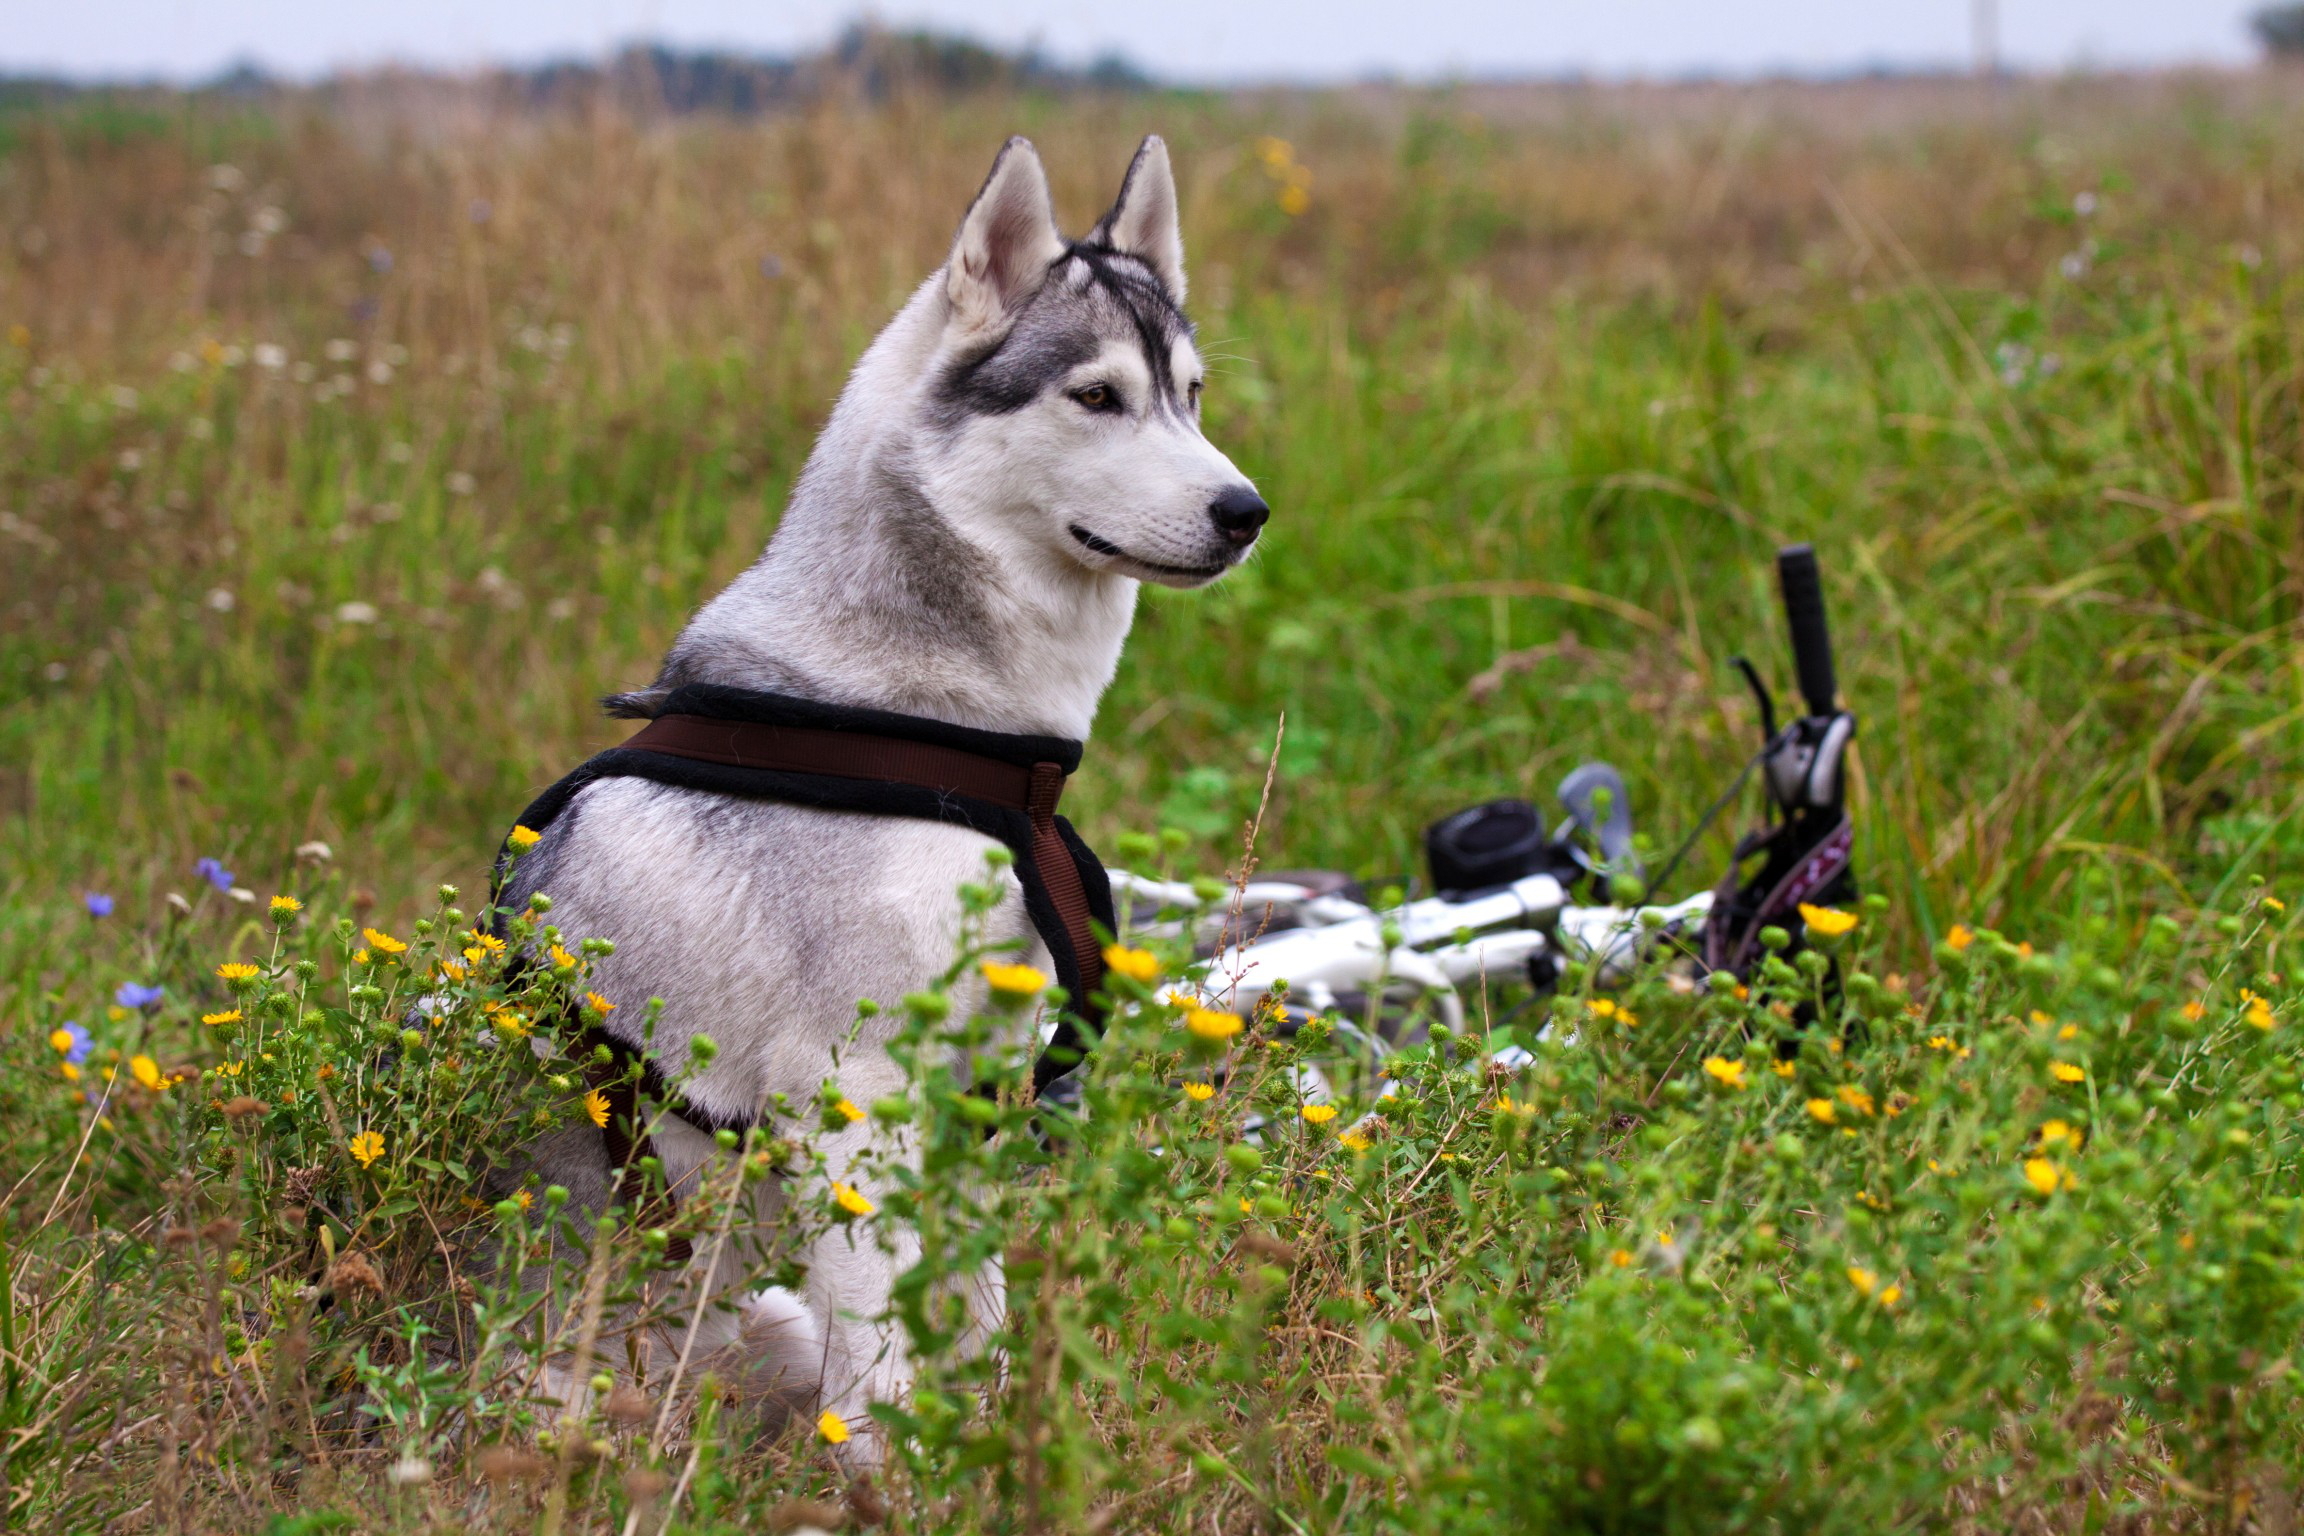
x=1505 y=884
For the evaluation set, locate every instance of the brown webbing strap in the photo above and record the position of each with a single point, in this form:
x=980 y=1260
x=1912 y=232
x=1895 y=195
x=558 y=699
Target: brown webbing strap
x=1052 y=859
x=628 y=1141
x=842 y=754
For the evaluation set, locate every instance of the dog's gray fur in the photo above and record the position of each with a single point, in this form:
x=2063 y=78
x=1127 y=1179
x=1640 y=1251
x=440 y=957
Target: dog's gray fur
x=964 y=544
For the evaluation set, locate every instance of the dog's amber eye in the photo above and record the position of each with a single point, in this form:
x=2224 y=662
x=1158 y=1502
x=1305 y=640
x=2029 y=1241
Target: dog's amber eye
x=1097 y=397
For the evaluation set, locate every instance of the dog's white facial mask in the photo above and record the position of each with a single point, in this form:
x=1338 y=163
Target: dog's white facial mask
x=1065 y=392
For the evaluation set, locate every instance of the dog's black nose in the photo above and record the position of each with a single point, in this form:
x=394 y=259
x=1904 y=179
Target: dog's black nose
x=1238 y=513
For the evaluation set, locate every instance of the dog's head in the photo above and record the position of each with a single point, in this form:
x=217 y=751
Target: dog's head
x=1064 y=402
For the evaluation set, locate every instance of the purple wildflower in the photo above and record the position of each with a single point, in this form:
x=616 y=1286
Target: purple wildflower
x=133 y=995
x=77 y=1051
x=214 y=872
x=97 y=903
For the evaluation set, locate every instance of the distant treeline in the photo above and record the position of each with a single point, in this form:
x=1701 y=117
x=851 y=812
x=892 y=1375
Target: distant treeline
x=870 y=61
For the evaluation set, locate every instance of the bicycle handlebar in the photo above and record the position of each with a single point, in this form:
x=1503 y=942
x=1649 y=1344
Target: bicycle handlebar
x=1811 y=640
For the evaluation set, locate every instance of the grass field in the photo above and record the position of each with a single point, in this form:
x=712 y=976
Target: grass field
x=354 y=446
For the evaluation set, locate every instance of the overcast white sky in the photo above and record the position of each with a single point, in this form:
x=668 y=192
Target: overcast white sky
x=1180 y=39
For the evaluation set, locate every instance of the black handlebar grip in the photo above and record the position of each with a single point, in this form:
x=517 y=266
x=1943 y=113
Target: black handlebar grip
x=1811 y=641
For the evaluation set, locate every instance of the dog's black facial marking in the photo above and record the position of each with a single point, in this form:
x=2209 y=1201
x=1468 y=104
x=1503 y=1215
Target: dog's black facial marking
x=1011 y=373
x=1095 y=295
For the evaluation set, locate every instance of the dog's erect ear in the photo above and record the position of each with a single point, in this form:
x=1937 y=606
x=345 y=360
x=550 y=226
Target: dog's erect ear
x=1006 y=244
x=1143 y=222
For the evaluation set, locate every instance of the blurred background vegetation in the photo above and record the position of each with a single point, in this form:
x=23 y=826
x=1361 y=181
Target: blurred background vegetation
x=357 y=437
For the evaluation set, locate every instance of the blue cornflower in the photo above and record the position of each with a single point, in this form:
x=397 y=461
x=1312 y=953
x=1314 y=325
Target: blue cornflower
x=214 y=872
x=134 y=995
x=97 y=903
x=72 y=1040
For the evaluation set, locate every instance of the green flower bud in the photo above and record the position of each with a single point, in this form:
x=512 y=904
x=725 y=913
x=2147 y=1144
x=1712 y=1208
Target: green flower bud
x=1244 y=1158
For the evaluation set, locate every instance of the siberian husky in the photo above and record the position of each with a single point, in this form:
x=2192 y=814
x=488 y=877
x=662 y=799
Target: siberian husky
x=1014 y=455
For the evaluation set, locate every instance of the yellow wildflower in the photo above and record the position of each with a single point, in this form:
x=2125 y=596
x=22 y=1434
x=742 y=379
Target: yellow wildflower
x=831 y=1427
x=1864 y=1280
x=61 y=1042
x=2067 y=1072
x=1959 y=938
x=848 y=1111
x=1855 y=1098
x=598 y=1004
x=2259 y=1014
x=1890 y=1295
x=2069 y=1032
x=2045 y=1176
x=562 y=960
x=1135 y=964
x=1827 y=922
x=1360 y=1143
x=359 y=957
x=2195 y=1011
x=452 y=970
x=1609 y=1008
x=1822 y=1111
x=1729 y=1074
x=1014 y=982
x=524 y=1199
x=286 y=906
x=1784 y=1068
x=1942 y=1043
x=1209 y=1024
x=382 y=942
x=1318 y=1114
x=596 y=1106
x=231 y=1068
x=850 y=1199
x=524 y=838
x=1199 y=1093
x=1620 y=1257
x=367 y=1146
x=71 y=1072
x=487 y=942
x=228 y=1016
x=2057 y=1133
x=147 y=1071
x=2275 y=903
x=236 y=970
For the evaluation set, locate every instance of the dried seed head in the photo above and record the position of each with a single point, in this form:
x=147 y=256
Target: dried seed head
x=794 y=1516
x=352 y=1274
x=1266 y=1246
x=642 y=1484
x=222 y=1232
x=179 y=1237
x=243 y=1108
x=510 y=1464
x=627 y=1407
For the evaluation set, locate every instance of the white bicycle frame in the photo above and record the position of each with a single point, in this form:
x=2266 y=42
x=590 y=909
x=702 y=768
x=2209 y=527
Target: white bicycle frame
x=1323 y=945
